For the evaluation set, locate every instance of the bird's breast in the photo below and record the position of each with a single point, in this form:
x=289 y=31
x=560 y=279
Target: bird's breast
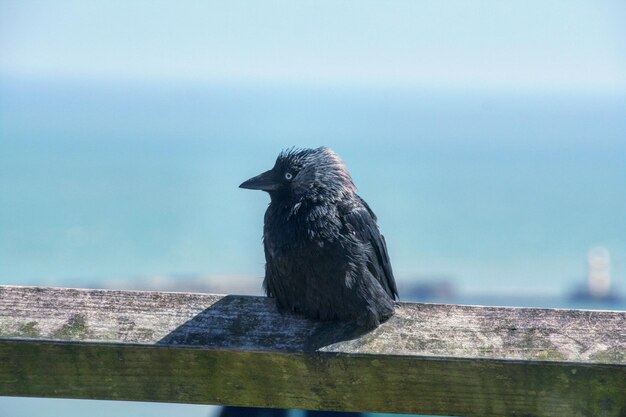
x=287 y=231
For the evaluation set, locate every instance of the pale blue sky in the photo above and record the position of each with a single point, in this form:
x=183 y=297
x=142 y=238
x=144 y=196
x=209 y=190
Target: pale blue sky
x=522 y=45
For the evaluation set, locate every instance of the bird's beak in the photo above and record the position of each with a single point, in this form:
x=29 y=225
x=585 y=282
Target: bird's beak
x=266 y=181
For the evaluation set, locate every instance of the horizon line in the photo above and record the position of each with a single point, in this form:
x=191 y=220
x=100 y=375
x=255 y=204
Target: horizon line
x=310 y=84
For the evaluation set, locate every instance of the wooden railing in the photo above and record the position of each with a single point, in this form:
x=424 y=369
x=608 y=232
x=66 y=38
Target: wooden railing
x=238 y=350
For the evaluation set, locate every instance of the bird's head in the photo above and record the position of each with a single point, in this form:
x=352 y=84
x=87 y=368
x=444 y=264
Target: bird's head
x=305 y=174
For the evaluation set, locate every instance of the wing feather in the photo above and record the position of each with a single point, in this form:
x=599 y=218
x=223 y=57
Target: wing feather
x=362 y=221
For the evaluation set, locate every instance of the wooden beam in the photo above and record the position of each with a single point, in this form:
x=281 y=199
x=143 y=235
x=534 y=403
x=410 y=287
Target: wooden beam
x=236 y=350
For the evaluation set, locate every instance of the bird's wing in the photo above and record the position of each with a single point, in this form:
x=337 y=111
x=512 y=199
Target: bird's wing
x=362 y=221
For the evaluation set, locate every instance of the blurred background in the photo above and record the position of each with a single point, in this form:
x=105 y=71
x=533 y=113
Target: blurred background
x=489 y=137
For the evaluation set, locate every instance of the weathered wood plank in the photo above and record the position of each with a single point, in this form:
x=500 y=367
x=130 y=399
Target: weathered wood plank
x=202 y=348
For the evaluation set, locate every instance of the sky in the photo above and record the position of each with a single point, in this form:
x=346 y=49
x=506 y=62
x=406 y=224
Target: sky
x=485 y=44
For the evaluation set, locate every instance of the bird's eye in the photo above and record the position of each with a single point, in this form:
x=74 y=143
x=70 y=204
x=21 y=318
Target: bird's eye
x=288 y=176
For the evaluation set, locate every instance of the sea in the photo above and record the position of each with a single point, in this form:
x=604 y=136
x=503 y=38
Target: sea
x=499 y=194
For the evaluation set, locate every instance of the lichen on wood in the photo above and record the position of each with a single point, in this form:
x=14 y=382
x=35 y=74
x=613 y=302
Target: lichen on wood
x=238 y=350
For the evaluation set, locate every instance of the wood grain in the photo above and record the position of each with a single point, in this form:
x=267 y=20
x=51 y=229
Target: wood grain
x=238 y=350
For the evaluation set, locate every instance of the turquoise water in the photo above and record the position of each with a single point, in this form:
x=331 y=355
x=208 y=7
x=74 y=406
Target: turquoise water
x=497 y=192
x=500 y=193
x=29 y=407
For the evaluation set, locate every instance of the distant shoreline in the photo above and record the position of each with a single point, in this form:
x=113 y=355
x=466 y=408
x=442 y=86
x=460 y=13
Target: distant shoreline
x=424 y=290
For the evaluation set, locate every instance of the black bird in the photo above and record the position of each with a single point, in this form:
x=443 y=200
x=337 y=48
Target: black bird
x=325 y=257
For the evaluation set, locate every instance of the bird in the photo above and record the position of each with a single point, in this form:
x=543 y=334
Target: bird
x=325 y=257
